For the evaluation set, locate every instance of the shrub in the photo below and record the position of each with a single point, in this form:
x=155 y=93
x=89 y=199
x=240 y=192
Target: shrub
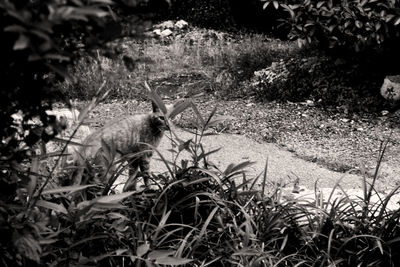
x=332 y=82
x=350 y=24
x=39 y=40
x=243 y=58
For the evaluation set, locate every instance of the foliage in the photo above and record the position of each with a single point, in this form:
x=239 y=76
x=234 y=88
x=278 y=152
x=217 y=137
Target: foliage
x=41 y=40
x=33 y=48
x=332 y=82
x=185 y=64
x=350 y=24
x=199 y=215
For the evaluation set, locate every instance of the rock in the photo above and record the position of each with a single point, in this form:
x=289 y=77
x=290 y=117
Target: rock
x=166 y=33
x=181 y=24
x=70 y=115
x=71 y=118
x=384 y=112
x=390 y=89
x=169 y=24
x=310 y=103
x=157 y=32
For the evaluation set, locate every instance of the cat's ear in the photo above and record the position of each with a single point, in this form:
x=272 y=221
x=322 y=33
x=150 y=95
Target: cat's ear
x=155 y=107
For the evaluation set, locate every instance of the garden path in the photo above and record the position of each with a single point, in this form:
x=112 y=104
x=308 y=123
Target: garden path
x=283 y=165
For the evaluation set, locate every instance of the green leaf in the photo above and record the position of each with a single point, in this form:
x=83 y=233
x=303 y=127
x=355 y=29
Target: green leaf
x=14 y=28
x=379 y=244
x=397 y=21
x=320 y=4
x=184 y=145
x=106 y=2
x=378 y=25
x=112 y=198
x=232 y=168
x=156 y=254
x=276 y=4
x=27 y=246
x=161 y=225
x=57 y=57
x=21 y=43
x=179 y=108
x=66 y=189
x=52 y=206
x=198 y=114
x=90 y=11
x=206 y=154
x=172 y=261
x=216 y=120
x=266 y=4
x=31 y=187
x=155 y=98
x=207 y=222
x=142 y=249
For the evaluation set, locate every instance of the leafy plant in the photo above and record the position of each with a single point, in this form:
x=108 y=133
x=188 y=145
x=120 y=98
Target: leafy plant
x=350 y=24
x=40 y=40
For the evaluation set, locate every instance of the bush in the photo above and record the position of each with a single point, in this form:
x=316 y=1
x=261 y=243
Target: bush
x=245 y=56
x=323 y=79
x=355 y=25
x=40 y=39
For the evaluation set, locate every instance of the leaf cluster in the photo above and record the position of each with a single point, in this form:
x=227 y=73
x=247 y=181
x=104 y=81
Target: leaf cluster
x=354 y=25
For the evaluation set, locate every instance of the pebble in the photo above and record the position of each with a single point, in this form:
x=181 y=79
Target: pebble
x=384 y=112
x=310 y=103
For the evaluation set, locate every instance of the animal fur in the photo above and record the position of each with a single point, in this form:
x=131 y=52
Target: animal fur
x=129 y=135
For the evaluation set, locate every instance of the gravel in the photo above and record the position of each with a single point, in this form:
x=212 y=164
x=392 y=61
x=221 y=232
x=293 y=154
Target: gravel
x=330 y=138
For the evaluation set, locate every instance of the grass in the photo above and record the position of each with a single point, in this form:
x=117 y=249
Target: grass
x=192 y=62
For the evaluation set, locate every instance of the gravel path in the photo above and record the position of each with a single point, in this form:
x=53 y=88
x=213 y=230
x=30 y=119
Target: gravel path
x=283 y=166
x=287 y=136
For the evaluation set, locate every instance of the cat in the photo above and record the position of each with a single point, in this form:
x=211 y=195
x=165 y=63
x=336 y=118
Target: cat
x=131 y=135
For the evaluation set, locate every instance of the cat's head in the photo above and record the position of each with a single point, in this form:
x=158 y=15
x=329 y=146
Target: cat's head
x=159 y=122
